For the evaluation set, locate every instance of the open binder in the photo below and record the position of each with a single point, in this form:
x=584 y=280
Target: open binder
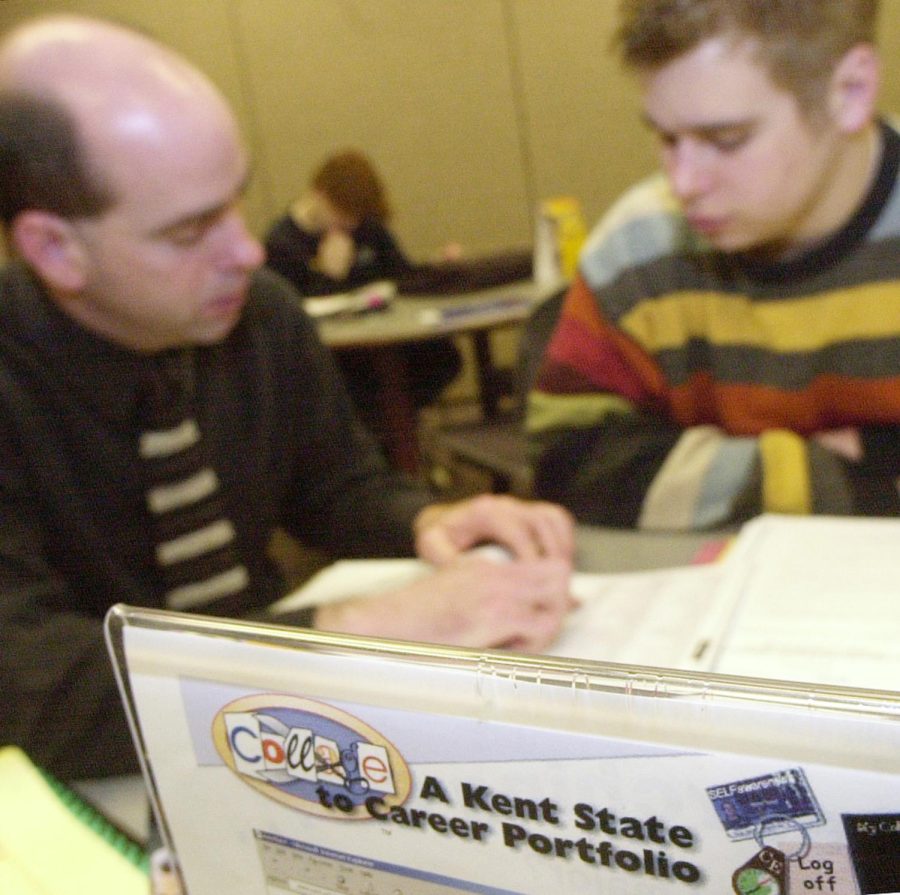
x=292 y=761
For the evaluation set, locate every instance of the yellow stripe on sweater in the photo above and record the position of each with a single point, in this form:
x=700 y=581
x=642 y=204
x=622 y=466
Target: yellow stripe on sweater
x=785 y=481
x=790 y=325
x=548 y=412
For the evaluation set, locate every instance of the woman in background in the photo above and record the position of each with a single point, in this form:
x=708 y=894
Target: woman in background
x=335 y=238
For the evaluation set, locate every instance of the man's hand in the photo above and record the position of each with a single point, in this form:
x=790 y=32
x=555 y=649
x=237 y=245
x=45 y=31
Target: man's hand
x=473 y=601
x=470 y=600
x=528 y=529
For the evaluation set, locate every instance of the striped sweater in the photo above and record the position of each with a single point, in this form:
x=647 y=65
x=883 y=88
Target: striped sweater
x=684 y=388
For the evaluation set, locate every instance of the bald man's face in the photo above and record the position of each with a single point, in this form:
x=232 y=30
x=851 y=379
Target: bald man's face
x=169 y=263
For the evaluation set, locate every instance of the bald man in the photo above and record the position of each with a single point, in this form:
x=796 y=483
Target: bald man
x=121 y=174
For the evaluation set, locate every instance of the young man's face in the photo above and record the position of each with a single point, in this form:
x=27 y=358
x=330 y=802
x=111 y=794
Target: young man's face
x=749 y=168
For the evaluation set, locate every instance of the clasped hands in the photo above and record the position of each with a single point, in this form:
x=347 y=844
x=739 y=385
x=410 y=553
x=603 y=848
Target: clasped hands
x=471 y=600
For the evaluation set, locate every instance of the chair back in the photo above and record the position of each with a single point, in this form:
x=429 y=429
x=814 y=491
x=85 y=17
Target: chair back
x=536 y=334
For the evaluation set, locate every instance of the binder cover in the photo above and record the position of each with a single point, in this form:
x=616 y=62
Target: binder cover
x=51 y=841
x=291 y=761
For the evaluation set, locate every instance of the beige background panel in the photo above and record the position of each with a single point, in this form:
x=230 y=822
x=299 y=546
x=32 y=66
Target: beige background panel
x=473 y=108
x=889 y=43
x=584 y=131
x=423 y=87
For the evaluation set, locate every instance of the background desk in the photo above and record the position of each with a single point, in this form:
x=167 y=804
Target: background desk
x=124 y=799
x=420 y=318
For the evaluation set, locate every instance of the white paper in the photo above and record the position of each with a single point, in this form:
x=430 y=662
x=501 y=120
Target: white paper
x=814 y=599
x=350 y=578
x=371 y=297
x=640 y=618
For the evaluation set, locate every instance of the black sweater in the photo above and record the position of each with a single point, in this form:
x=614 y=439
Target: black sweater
x=74 y=532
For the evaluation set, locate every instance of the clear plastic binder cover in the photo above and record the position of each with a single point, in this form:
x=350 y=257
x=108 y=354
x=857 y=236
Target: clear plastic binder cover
x=300 y=762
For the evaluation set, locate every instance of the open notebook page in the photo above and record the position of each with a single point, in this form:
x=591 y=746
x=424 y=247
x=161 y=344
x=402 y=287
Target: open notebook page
x=813 y=599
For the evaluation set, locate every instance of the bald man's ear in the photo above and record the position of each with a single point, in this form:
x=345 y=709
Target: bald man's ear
x=50 y=246
x=855 y=83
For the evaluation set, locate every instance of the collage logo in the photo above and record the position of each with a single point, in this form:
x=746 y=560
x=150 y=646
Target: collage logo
x=309 y=755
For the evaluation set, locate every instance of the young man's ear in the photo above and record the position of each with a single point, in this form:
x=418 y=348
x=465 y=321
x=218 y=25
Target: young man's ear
x=50 y=247
x=855 y=83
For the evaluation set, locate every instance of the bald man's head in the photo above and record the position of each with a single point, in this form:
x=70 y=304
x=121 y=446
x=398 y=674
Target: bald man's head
x=70 y=88
x=122 y=172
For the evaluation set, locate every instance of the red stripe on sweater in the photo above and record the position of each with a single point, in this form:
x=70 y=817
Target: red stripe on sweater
x=586 y=354
x=831 y=402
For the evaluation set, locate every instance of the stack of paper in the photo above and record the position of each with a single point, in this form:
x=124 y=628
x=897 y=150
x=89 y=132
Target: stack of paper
x=371 y=297
x=813 y=599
